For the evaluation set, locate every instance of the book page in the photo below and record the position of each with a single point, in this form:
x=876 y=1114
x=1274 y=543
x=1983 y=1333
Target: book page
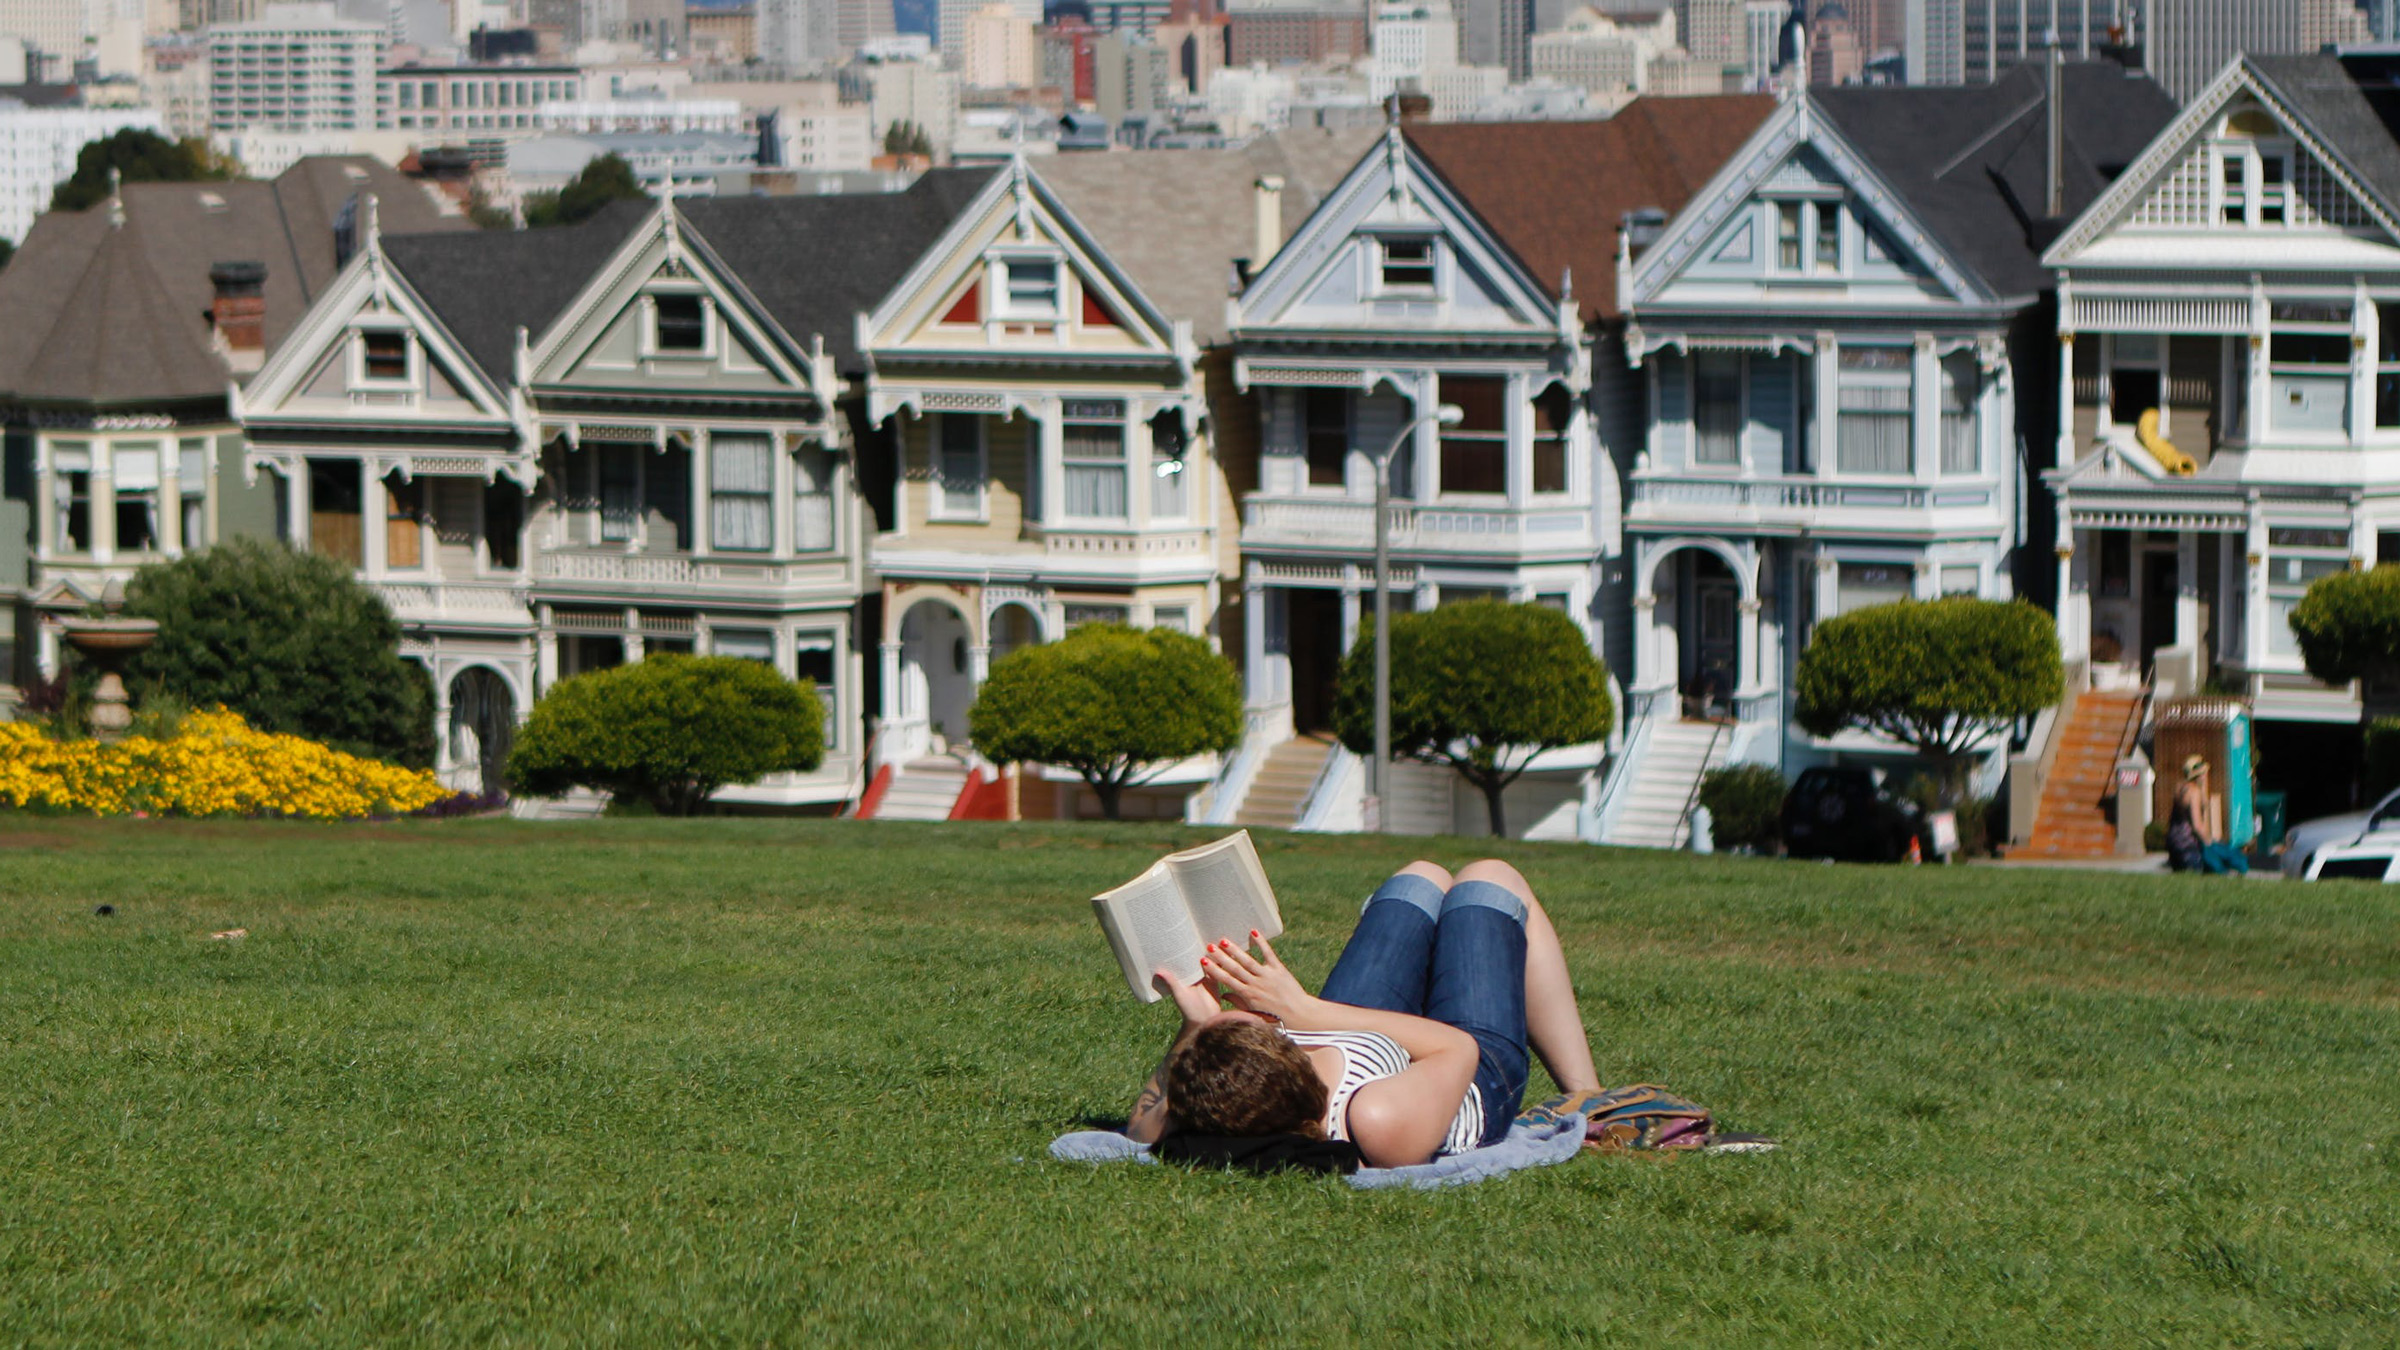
x=1148 y=926
x=1226 y=887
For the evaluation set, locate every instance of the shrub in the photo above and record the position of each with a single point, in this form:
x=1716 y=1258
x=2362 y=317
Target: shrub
x=606 y=179
x=668 y=731
x=1745 y=806
x=1945 y=677
x=289 y=640
x=2348 y=625
x=213 y=764
x=1481 y=688
x=1111 y=702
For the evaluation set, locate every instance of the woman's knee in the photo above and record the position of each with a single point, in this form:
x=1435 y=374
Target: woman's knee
x=1433 y=872
x=1494 y=885
x=1499 y=874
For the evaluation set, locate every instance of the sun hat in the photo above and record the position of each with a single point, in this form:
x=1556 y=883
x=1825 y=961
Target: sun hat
x=2194 y=765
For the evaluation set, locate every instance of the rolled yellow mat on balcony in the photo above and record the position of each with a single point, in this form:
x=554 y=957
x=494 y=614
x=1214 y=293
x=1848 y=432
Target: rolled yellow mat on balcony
x=2174 y=461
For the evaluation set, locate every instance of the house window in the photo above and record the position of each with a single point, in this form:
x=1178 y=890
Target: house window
x=682 y=323
x=1962 y=387
x=383 y=356
x=2308 y=363
x=1170 y=471
x=1864 y=585
x=1829 y=237
x=1961 y=580
x=137 y=497
x=958 y=486
x=1407 y=264
x=2298 y=556
x=813 y=664
x=1175 y=617
x=1475 y=452
x=191 y=468
x=1553 y=412
x=1094 y=451
x=71 y=472
x=1872 y=433
x=747 y=644
x=2254 y=185
x=1787 y=236
x=1717 y=407
x=741 y=485
x=403 y=508
x=2387 y=363
x=620 y=491
x=1032 y=288
x=503 y=525
x=1327 y=415
x=1079 y=615
x=1808 y=237
x=812 y=485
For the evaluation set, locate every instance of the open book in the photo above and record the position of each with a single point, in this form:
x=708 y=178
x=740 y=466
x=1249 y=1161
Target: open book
x=1168 y=915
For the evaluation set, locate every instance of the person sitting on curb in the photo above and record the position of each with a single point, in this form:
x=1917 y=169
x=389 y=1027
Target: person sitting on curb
x=2194 y=843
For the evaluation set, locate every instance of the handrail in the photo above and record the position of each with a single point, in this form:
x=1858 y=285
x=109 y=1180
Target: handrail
x=2128 y=737
x=1618 y=777
x=1691 y=800
x=1318 y=802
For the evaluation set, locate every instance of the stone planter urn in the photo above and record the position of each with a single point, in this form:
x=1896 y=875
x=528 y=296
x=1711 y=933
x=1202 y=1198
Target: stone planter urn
x=107 y=644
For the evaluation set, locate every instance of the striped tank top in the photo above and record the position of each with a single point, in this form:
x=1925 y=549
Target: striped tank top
x=1369 y=1055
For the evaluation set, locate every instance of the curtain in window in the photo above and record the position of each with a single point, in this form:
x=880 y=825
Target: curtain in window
x=1717 y=407
x=1873 y=431
x=1095 y=464
x=741 y=477
x=812 y=480
x=959 y=471
x=1961 y=384
x=620 y=490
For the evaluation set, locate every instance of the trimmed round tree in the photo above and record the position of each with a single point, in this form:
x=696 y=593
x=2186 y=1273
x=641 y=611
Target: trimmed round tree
x=1113 y=703
x=668 y=731
x=1944 y=677
x=289 y=640
x=2348 y=625
x=1480 y=688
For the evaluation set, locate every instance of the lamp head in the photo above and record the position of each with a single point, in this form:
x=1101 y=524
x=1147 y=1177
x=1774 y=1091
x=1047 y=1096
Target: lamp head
x=1449 y=415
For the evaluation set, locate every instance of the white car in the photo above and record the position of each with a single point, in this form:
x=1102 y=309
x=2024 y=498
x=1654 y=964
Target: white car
x=2307 y=839
x=2371 y=859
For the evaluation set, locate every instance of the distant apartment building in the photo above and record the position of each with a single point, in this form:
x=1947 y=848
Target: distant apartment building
x=1496 y=33
x=1607 y=55
x=294 y=68
x=2185 y=43
x=38 y=147
x=1299 y=35
x=999 y=52
x=174 y=82
x=1139 y=18
x=725 y=35
x=954 y=15
x=461 y=99
x=54 y=28
x=919 y=93
x=1713 y=30
x=666 y=116
x=821 y=140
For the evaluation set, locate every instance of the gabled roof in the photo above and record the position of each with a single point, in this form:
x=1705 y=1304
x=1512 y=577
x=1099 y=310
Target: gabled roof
x=118 y=316
x=816 y=263
x=1175 y=220
x=1971 y=161
x=2353 y=107
x=1557 y=192
x=486 y=285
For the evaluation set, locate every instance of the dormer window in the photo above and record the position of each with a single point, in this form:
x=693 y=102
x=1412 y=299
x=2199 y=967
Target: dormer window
x=1408 y=265
x=1808 y=237
x=1031 y=288
x=2254 y=179
x=682 y=323
x=383 y=356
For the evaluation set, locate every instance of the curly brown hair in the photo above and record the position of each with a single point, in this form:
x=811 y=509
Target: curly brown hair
x=1244 y=1079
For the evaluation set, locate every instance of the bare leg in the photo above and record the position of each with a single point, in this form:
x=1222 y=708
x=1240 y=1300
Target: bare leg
x=1438 y=875
x=1552 y=1022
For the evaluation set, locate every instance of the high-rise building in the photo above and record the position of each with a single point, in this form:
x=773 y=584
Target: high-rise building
x=1934 y=42
x=999 y=51
x=1714 y=30
x=1763 y=30
x=1997 y=34
x=1496 y=33
x=953 y=23
x=294 y=68
x=2185 y=43
x=54 y=28
x=1607 y=57
x=1282 y=35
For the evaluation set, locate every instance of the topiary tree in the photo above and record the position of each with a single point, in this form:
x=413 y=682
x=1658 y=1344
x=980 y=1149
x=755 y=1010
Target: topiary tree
x=668 y=731
x=1745 y=806
x=289 y=640
x=1481 y=688
x=2348 y=625
x=606 y=179
x=1944 y=677
x=1112 y=703
x=138 y=156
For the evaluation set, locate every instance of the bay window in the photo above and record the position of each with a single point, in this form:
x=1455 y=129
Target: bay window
x=2308 y=366
x=1872 y=433
x=813 y=664
x=1325 y=418
x=741 y=485
x=1553 y=411
x=812 y=508
x=71 y=476
x=2296 y=557
x=1170 y=472
x=958 y=468
x=1474 y=455
x=137 y=483
x=1093 y=448
x=1717 y=407
x=1962 y=387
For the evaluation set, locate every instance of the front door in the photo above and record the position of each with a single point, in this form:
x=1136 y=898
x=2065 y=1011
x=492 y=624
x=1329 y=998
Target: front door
x=2158 y=604
x=1313 y=632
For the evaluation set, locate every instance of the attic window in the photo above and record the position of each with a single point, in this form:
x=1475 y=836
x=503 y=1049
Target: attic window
x=211 y=202
x=384 y=356
x=682 y=323
x=354 y=173
x=1408 y=264
x=1032 y=288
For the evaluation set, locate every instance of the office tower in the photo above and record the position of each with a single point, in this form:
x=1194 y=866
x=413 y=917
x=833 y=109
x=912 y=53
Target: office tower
x=953 y=23
x=294 y=68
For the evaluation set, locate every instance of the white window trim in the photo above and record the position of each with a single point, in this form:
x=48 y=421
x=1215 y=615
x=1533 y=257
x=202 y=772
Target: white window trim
x=1739 y=465
x=711 y=325
x=1126 y=430
x=1378 y=289
x=1005 y=308
x=2353 y=414
x=937 y=510
x=412 y=357
x=1846 y=242
x=2252 y=152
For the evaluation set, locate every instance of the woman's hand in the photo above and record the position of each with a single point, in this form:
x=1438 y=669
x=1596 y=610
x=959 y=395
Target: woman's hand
x=1258 y=984
x=1197 y=1001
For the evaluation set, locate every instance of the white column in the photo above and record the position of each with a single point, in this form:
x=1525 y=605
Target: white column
x=103 y=515
x=45 y=503
x=1052 y=442
x=782 y=508
x=545 y=652
x=1748 y=635
x=1139 y=466
x=374 y=508
x=699 y=507
x=1826 y=435
x=890 y=652
x=2187 y=595
x=1925 y=410
x=442 y=762
x=1829 y=585
x=1254 y=640
x=2256 y=615
x=2067 y=449
x=1519 y=460
x=170 y=497
x=2362 y=363
x=2260 y=383
x=634 y=649
x=1425 y=432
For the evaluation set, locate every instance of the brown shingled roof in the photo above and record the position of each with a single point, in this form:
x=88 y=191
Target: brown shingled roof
x=1556 y=192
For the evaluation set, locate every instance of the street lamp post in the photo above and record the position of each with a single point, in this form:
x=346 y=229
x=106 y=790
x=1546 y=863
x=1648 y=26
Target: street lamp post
x=1379 y=769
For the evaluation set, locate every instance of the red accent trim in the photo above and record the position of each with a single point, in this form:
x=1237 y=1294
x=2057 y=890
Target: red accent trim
x=1095 y=314
x=969 y=308
x=985 y=797
x=880 y=784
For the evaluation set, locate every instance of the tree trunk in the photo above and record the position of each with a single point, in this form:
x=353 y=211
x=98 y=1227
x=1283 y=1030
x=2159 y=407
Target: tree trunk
x=1492 y=788
x=1111 y=796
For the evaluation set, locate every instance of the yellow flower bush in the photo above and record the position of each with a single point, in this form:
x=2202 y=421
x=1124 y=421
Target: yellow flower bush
x=214 y=765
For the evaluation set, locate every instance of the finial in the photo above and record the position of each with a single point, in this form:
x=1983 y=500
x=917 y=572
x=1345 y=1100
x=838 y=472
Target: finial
x=116 y=198
x=370 y=231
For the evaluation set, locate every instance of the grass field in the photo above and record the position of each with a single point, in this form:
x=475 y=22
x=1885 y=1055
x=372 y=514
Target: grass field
x=766 y=1082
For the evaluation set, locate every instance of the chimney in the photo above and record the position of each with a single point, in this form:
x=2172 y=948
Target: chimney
x=1414 y=107
x=239 y=312
x=1267 y=201
x=2054 y=196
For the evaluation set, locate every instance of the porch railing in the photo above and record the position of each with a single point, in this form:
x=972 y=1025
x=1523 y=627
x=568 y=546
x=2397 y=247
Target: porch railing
x=1478 y=528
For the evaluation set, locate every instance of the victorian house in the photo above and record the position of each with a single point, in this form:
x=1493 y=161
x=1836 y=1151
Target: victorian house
x=124 y=330
x=1834 y=342
x=2228 y=337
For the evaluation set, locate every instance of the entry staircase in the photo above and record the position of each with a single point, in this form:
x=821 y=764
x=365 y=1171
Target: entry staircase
x=923 y=789
x=1658 y=802
x=2072 y=820
x=1279 y=792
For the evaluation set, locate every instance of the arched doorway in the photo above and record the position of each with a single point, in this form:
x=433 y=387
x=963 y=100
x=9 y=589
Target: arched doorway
x=937 y=681
x=1696 y=630
x=1014 y=627
x=483 y=725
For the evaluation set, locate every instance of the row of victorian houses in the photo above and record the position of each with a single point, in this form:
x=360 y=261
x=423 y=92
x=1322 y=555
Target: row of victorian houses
x=1725 y=367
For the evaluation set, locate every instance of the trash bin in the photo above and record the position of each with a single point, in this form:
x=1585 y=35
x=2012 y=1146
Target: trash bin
x=2271 y=824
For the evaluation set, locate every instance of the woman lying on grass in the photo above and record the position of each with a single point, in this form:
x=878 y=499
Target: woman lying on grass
x=1416 y=1047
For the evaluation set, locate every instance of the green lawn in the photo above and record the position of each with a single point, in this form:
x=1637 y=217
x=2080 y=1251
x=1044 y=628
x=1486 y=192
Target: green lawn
x=753 y=1081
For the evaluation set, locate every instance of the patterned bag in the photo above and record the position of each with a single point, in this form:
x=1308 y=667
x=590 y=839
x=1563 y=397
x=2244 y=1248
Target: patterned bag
x=1638 y=1116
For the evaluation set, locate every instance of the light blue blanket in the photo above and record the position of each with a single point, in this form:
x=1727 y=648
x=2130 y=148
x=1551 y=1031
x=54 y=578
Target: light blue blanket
x=1526 y=1145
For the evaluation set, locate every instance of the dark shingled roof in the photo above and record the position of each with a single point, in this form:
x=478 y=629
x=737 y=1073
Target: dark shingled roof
x=486 y=285
x=816 y=263
x=2351 y=105
x=1972 y=160
x=1556 y=192
x=117 y=317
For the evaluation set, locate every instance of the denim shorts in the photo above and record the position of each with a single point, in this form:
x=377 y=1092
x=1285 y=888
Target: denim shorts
x=1455 y=958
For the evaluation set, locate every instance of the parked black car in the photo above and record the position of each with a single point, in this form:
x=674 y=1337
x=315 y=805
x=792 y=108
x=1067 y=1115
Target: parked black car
x=1848 y=814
